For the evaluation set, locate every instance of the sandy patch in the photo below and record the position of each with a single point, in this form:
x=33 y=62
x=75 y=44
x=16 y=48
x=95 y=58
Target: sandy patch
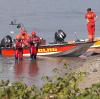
x=91 y=65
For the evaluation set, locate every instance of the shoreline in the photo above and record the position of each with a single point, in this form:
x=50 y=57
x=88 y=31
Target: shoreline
x=92 y=67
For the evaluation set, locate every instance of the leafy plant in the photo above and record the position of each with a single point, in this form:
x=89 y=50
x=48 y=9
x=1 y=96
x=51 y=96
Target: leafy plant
x=65 y=87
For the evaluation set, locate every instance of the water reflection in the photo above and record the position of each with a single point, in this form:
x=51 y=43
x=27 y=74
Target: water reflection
x=27 y=68
x=30 y=71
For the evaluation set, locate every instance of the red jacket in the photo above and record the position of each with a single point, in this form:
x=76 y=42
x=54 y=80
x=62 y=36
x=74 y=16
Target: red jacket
x=90 y=16
x=24 y=36
x=19 y=45
x=35 y=39
x=33 y=50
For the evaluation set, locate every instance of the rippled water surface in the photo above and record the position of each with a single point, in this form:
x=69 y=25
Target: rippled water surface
x=31 y=72
x=45 y=17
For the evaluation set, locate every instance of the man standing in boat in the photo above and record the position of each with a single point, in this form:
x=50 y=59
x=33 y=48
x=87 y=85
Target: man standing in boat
x=91 y=18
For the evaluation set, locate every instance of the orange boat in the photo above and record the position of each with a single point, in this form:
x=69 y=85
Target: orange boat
x=58 y=48
x=63 y=49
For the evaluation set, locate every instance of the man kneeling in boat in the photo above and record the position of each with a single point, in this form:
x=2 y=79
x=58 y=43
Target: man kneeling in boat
x=34 y=42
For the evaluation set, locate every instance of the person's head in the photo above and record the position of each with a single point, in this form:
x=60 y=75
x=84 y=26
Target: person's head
x=89 y=9
x=23 y=33
x=33 y=33
x=22 y=29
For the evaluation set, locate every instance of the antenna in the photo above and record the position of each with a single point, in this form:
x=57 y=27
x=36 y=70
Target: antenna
x=19 y=25
x=76 y=37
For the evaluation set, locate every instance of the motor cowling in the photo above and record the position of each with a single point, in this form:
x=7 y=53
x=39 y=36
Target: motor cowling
x=60 y=36
x=6 y=41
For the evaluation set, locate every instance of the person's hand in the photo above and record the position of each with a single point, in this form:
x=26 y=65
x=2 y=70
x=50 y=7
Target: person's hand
x=87 y=20
x=96 y=18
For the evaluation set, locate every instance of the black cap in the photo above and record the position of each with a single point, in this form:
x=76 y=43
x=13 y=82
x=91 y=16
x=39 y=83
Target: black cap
x=60 y=30
x=88 y=9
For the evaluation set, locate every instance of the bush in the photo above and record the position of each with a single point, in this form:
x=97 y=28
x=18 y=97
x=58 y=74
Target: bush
x=65 y=87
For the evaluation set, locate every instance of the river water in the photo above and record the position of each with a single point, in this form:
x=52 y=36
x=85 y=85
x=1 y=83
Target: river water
x=31 y=72
x=45 y=17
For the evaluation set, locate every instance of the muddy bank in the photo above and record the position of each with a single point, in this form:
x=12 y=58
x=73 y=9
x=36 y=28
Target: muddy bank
x=94 y=50
x=91 y=65
x=32 y=72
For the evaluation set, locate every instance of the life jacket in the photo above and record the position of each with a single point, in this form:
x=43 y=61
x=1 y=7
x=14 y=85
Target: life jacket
x=35 y=39
x=33 y=49
x=90 y=16
x=24 y=36
x=19 y=45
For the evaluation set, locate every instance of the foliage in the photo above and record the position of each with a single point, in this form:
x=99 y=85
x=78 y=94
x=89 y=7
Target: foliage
x=65 y=87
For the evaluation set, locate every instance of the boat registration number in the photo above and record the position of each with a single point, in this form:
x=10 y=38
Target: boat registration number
x=47 y=50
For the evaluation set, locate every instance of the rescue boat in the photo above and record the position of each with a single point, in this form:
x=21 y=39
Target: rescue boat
x=95 y=48
x=63 y=49
x=58 y=48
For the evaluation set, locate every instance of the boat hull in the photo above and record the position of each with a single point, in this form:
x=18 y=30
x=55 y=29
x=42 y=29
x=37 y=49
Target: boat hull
x=95 y=48
x=65 y=49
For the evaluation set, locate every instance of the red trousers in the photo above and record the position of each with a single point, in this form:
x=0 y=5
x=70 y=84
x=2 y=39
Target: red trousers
x=19 y=54
x=91 y=30
x=33 y=52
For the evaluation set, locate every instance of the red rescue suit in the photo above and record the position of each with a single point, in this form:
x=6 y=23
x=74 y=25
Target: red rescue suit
x=90 y=16
x=33 y=50
x=34 y=43
x=24 y=36
x=19 y=50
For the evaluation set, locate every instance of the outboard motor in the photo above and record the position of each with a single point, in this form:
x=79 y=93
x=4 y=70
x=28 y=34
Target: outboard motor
x=60 y=36
x=6 y=41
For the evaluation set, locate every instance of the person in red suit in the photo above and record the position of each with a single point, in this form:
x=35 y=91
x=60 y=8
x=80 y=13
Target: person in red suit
x=91 y=18
x=24 y=36
x=34 y=42
x=19 y=49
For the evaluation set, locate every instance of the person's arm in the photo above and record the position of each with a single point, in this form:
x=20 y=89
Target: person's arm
x=96 y=18
x=86 y=18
